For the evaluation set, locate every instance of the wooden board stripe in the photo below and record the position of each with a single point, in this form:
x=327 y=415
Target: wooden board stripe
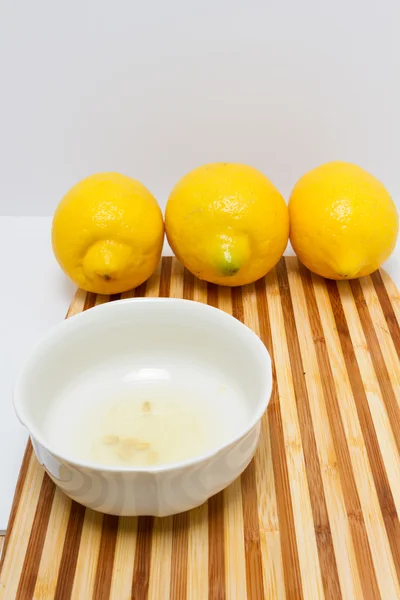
x=290 y=558
x=33 y=554
x=315 y=515
x=387 y=308
x=179 y=287
x=69 y=556
x=318 y=504
x=354 y=511
x=270 y=539
x=254 y=572
x=105 y=562
x=216 y=535
x=18 y=536
x=234 y=542
x=17 y=497
x=179 y=558
x=385 y=496
x=298 y=485
x=335 y=503
x=53 y=547
x=381 y=371
x=377 y=543
x=141 y=569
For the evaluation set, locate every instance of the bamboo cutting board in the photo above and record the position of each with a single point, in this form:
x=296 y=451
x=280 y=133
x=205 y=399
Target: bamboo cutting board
x=315 y=515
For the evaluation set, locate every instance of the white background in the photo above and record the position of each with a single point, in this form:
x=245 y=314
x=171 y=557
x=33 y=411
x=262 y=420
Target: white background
x=157 y=87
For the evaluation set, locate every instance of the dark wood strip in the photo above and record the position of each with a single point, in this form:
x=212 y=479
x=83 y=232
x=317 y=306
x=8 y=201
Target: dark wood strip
x=141 y=568
x=180 y=523
x=216 y=554
x=17 y=497
x=216 y=536
x=352 y=500
x=290 y=557
x=188 y=285
x=378 y=469
x=140 y=291
x=179 y=559
x=387 y=308
x=115 y=297
x=212 y=295
x=66 y=574
x=105 y=563
x=323 y=534
x=382 y=374
x=251 y=525
x=90 y=301
x=37 y=538
x=165 y=277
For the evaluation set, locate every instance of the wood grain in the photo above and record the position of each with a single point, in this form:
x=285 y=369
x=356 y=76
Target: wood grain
x=316 y=513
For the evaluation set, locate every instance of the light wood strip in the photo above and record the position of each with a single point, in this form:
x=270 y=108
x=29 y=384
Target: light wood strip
x=101 y=299
x=386 y=443
x=77 y=303
x=235 y=560
x=21 y=528
x=53 y=547
x=197 y=560
x=161 y=554
x=334 y=325
x=197 y=567
x=15 y=505
x=387 y=309
x=235 y=563
x=251 y=525
x=200 y=290
x=381 y=488
x=216 y=542
x=392 y=292
x=144 y=556
x=161 y=548
x=1 y=544
x=270 y=541
x=180 y=522
x=121 y=583
x=301 y=505
x=339 y=523
x=176 y=282
x=332 y=400
x=290 y=556
x=33 y=554
x=153 y=284
x=88 y=556
x=90 y=301
x=386 y=360
x=322 y=527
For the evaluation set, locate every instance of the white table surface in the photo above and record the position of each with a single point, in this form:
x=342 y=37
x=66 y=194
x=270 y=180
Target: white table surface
x=35 y=295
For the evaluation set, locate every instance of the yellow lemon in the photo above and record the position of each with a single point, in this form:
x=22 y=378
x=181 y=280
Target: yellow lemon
x=227 y=223
x=108 y=233
x=343 y=222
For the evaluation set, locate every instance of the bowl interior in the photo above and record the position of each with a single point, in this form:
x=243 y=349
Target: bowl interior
x=131 y=344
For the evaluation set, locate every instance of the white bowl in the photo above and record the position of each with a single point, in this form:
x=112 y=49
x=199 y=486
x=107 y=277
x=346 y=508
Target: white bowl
x=160 y=334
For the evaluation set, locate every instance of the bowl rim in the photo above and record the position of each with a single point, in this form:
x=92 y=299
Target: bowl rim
x=252 y=338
